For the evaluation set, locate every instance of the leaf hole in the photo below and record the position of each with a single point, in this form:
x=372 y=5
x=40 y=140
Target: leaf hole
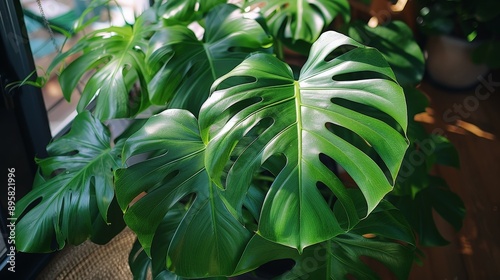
x=327 y=193
x=57 y=172
x=260 y=127
x=341 y=50
x=169 y=177
x=360 y=75
x=241 y=105
x=70 y=153
x=275 y=164
x=235 y=80
x=368 y=111
x=30 y=207
x=338 y=171
x=348 y=136
x=360 y=144
x=328 y=162
x=138 y=158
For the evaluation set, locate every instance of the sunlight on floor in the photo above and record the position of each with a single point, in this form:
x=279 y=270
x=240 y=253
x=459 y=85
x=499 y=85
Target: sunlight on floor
x=474 y=129
x=459 y=127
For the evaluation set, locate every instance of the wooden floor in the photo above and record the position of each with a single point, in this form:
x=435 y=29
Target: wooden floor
x=471 y=120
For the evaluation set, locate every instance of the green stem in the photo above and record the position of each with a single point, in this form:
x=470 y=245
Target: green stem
x=278 y=49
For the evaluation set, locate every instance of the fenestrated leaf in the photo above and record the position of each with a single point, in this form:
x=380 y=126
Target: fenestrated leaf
x=396 y=42
x=114 y=57
x=209 y=239
x=142 y=265
x=298 y=116
x=186 y=67
x=389 y=240
x=78 y=180
x=185 y=11
x=302 y=20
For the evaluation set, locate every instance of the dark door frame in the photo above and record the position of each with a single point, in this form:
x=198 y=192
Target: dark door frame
x=24 y=127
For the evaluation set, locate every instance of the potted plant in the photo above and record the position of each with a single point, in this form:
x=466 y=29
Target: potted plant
x=463 y=38
x=237 y=165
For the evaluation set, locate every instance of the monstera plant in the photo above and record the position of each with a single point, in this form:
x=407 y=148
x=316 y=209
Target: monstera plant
x=232 y=161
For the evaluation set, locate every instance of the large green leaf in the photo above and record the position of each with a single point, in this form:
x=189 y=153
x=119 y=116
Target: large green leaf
x=209 y=239
x=139 y=261
x=72 y=201
x=185 y=11
x=142 y=265
x=186 y=67
x=396 y=42
x=384 y=236
x=302 y=20
x=114 y=59
x=336 y=91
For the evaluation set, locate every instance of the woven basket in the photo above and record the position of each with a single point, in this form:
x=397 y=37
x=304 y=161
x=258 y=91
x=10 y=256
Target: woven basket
x=92 y=261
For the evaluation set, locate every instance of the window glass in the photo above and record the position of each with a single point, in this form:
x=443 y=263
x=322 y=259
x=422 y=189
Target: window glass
x=46 y=42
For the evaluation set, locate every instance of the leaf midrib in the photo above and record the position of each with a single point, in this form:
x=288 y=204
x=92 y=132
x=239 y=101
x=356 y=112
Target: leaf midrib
x=298 y=116
x=105 y=153
x=126 y=50
x=300 y=17
x=210 y=61
x=67 y=183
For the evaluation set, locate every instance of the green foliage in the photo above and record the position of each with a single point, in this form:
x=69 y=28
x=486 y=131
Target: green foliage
x=301 y=21
x=185 y=11
x=395 y=41
x=114 y=57
x=191 y=162
x=383 y=236
x=473 y=21
x=74 y=193
x=240 y=169
x=183 y=64
x=296 y=116
x=417 y=193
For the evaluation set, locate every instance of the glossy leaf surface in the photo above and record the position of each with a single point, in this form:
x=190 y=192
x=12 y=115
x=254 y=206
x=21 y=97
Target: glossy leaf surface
x=185 y=67
x=302 y=19
x=185 y=11
x=384 y=236
x=209 y=239
x=114 y=59
x=72 y=201
x=340 y=84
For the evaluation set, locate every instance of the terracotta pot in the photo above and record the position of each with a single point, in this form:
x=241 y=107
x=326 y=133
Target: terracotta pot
x=449 y=62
